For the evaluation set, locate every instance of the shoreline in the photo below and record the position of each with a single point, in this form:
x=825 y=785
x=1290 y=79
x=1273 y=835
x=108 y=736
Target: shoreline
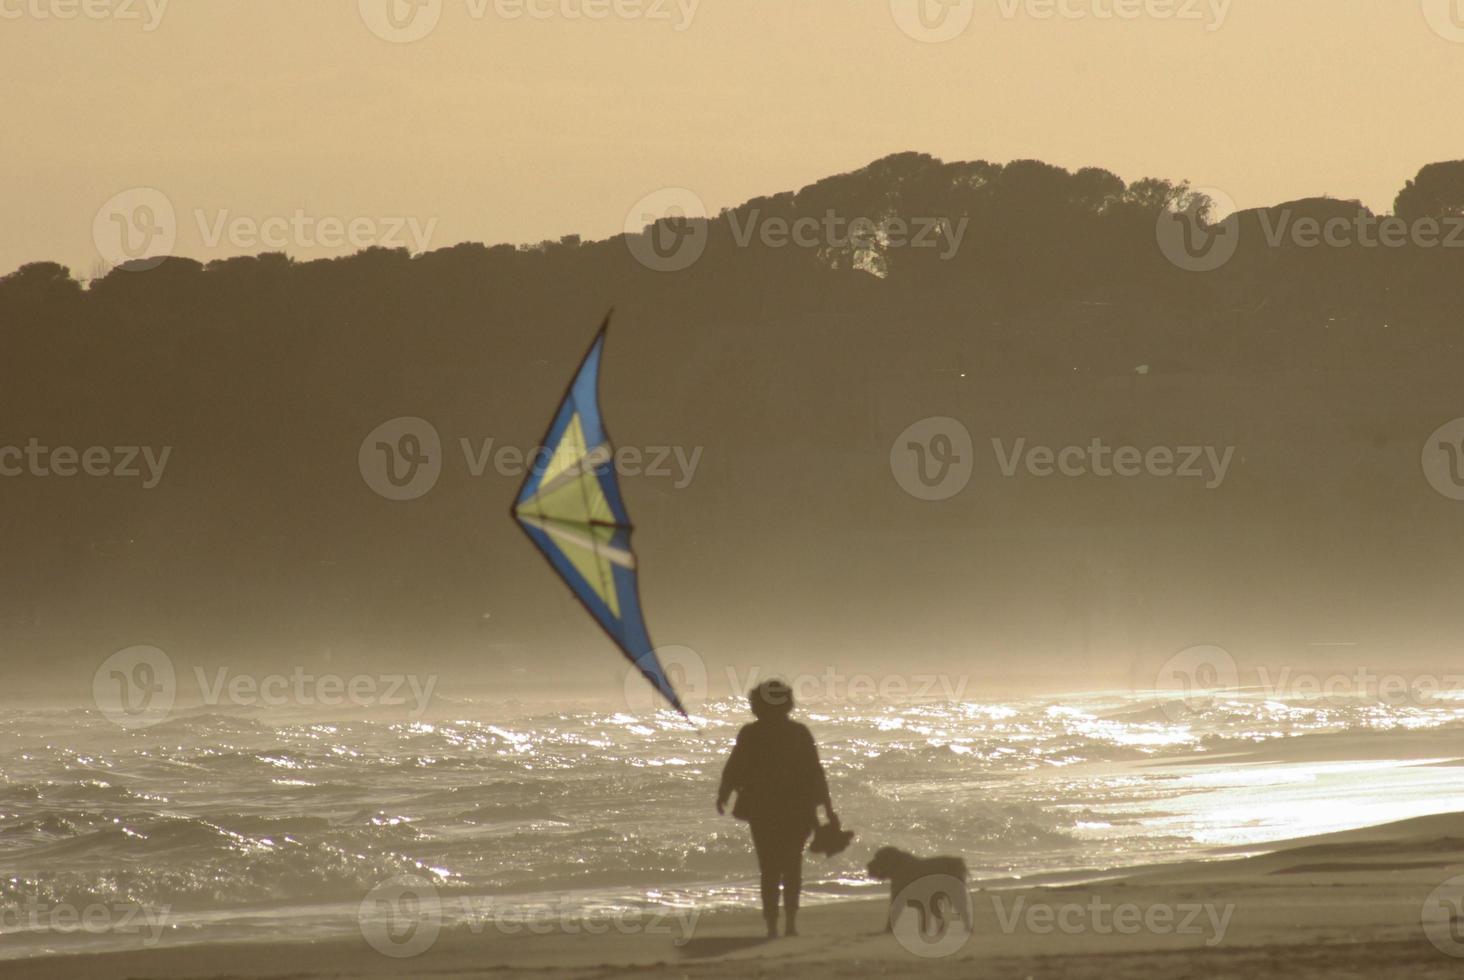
x=1359 y=903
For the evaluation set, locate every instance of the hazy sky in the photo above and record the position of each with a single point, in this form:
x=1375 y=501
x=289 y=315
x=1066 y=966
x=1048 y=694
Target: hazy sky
x=517 y=120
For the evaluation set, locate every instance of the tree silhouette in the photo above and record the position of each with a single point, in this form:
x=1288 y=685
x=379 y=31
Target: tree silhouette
x=1437 y=192
x=792 y=368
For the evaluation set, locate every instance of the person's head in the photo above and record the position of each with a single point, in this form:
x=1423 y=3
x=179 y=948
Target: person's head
x=771 y=699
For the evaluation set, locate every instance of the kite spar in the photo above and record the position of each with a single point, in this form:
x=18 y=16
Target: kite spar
x=570 y=507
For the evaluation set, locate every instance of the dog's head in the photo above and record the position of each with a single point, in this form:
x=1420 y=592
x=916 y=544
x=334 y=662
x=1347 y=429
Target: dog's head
x=887 y=862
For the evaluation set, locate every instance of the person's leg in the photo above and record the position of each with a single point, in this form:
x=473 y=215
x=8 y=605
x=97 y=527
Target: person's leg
x=792 y=850
x=765 y=842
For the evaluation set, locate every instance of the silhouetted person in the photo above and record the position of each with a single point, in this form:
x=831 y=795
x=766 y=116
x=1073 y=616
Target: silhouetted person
x=779 y=782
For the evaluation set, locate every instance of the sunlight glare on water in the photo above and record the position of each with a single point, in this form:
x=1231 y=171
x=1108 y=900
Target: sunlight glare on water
x=250 y=825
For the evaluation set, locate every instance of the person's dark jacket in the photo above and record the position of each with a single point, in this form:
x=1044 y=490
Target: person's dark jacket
x=776 y=773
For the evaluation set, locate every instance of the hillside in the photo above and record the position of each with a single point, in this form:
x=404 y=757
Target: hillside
x=1056 y=319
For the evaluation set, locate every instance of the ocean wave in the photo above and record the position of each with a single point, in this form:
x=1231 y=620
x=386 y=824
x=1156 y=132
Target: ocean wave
x=234 y=813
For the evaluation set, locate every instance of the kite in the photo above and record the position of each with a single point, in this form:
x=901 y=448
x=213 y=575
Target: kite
x=570 y=507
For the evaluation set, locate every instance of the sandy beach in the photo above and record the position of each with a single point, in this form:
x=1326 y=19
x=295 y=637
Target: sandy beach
x=1376 y=902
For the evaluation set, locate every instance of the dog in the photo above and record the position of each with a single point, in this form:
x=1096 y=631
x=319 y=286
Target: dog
x=933 y=903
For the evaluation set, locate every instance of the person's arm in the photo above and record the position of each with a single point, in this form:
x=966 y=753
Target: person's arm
x=820 y=779
x=733 y=775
